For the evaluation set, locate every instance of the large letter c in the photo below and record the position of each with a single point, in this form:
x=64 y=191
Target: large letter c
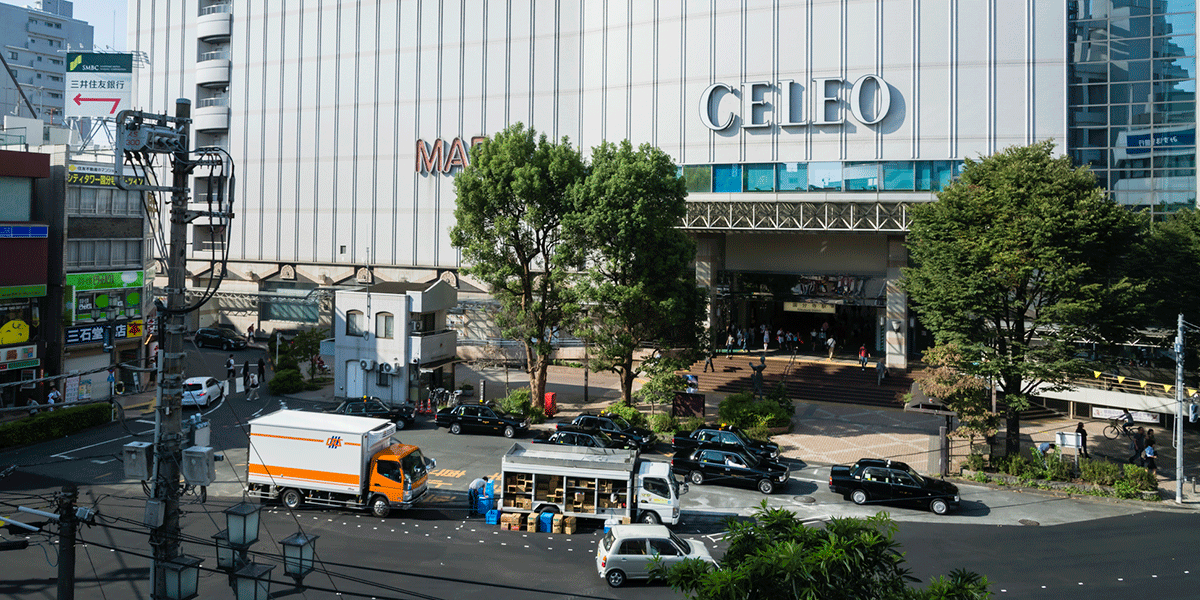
x=706 y=107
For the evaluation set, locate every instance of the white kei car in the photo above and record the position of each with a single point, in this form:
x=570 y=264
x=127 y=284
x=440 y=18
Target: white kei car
x=627 y=551
x=201 y=391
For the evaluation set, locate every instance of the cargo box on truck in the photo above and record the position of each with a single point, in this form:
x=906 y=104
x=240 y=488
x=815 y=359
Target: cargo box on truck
x=595 y=483
x=333 y=460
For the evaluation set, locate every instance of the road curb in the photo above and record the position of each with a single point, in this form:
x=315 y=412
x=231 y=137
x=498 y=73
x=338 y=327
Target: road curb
x=1162 y=504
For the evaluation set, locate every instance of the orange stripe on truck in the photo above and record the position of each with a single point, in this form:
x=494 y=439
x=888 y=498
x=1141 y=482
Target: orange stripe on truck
x=294 y=474
x=298 y=439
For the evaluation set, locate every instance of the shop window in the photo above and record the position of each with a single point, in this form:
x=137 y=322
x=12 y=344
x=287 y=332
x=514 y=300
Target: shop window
x=898 y=175
x=354 y=323
x=698 y=178
x=825 y=176
x=384 y=323
x=760 y=177
x=792 y=177
x=727 y=179
x=861 y=176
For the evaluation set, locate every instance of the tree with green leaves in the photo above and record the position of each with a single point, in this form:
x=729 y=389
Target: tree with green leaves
x=1017 y=259
x=638 y=286
x=1169 y=261
x=511 y=201
x=968 y=396
x=776 y=557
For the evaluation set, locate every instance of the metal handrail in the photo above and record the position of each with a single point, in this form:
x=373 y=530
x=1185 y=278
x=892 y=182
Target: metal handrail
x=213 y=55
x=224 y=7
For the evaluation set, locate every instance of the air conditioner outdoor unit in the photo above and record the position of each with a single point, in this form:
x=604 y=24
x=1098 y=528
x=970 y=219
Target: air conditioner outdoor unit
x=367 y=364
x=385 y=367
x=397 y=367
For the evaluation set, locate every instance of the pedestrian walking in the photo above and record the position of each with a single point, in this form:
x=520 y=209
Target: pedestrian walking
x=729 y=342
x=1150 y=437
x=812 y=335
x=708 y=364
x=252 y=389
x=880 y=371
x=1150 y=460
x=832 y=345
x=262 y=369
x=53 y=397
x=862 y=357
x=1137 y=445
x=250 y=333
x=230 y=369
x=1082 y=439
x=246 y=376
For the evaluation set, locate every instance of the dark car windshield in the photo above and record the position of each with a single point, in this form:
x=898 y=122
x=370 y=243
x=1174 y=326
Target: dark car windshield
x=620 y=422
x=920 y=480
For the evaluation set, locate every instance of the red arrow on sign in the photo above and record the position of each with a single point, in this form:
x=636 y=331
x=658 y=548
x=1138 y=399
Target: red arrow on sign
x=79 y=100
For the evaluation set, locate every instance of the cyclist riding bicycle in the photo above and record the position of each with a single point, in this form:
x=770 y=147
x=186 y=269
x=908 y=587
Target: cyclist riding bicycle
x=1126 y=421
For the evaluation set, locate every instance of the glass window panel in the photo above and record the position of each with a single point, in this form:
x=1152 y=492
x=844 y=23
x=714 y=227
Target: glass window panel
x=354 y=324
x=1086 y=30
x=1089 y=115
x=102 y=252
x=1130 y=28
x=104 y=201
x=924 y=175
x=73 y=199
x=1129 y=70
x=1089 y=51
x=898 y=175
x=1118 y=113
x=118 y=253
x=760 y=177
x=87 y=253
x=861 y=176
x=72 y=254
x=1170 y=6
x=1174 y=45
x=383 y=325
x=792 y=176
x=1175 y=24
x=87 y=200
x=825 y=176
x=727 y=178
x=134 y=251
x=698 y=178
x=1175 y=68
x=943 y=172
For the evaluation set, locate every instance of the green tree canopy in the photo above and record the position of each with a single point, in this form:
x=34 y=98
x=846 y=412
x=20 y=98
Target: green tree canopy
x=638 y=286
x=511 y=201
x=775 y=557
x=1018 y=258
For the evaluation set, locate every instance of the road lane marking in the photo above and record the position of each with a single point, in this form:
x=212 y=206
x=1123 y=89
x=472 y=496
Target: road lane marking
x=64 y=455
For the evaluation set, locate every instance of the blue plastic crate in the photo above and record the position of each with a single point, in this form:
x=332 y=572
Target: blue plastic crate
x=546 y=522
x=493 y=517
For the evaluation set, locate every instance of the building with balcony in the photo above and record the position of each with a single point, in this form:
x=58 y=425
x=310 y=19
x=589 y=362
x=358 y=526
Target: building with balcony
x=804 y=129
x=35 y=41
x=392 y=340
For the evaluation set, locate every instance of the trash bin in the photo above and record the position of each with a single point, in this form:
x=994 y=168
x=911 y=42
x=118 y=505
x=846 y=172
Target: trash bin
x=551 y=404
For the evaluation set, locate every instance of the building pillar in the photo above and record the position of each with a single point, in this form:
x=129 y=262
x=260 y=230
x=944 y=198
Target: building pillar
x=896 y=320
x=710 y=261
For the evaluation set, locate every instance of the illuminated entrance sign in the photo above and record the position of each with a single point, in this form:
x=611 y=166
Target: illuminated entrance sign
x=827 y=104
x=443 y=156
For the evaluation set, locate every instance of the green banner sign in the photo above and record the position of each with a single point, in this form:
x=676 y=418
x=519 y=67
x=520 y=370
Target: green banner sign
x=109 y=280
x=22 y=291
x=99 y=63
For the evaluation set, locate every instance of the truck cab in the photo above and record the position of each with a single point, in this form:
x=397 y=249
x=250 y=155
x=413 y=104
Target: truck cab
x=659 y=494
x=399 y=477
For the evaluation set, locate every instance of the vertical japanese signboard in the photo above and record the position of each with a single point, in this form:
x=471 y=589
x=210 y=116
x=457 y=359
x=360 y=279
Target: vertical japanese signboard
x=98 y=85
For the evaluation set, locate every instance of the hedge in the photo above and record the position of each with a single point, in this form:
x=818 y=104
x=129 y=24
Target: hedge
x=49 y=425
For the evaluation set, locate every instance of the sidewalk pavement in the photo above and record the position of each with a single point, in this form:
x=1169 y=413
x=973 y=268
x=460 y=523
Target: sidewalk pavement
x=823 y=433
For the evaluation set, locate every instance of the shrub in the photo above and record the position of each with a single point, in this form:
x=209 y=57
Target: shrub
x=742 y=410
x=1140 y=478
x=1015 y=465
x=537 y=415
x=517 y=403
x=1051 y=466
x=286 y=381
x=1125 y=489
x=662 y=423
x=690 y=424
x=982 y=477
x=975 y=462
x=1100 y=472
x=630 y=413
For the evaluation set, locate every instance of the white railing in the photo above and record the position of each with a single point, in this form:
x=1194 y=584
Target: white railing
x=211 y=9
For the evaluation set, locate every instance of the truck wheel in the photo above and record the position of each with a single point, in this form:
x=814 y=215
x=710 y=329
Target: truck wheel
x=696 y=477
x=509 y=431
x=455 y=428
x=380 y=507
x=399 y=424
x=615 y=578
x=765 y=486
x=939 y=506
x=650 y=518
x=292 y=498
x=859 y=497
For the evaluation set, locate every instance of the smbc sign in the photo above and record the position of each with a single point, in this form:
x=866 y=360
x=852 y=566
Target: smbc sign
x=784 y=103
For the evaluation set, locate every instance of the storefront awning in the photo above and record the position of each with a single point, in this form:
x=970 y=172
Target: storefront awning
x=431 y=366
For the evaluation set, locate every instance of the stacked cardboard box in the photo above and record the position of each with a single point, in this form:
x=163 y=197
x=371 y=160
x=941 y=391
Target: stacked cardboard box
x=568 y=525
x=532 y=525
x=557 y=524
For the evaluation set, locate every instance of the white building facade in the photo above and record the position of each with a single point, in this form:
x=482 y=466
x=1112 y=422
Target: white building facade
x=392 y=340
x=804 y=128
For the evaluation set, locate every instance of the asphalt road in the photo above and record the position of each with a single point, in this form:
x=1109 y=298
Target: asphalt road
x=1080 y=549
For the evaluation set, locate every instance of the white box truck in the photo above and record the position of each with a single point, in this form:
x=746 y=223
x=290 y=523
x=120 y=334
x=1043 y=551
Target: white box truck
x=590 y=483
x=333 y=460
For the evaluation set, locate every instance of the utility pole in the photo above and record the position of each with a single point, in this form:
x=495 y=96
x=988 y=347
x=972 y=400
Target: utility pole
x=165 y=538
x=66 y=542
x=1179 y=349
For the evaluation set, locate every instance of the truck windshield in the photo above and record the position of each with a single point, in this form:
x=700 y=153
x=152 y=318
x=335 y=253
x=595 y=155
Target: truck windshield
x=673 y=483
x=413 y=466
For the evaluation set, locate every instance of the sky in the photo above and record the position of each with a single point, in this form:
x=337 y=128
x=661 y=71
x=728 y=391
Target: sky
x=107 y=18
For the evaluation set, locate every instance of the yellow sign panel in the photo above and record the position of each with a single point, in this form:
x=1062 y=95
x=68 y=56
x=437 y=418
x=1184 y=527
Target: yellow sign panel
x=810 y=307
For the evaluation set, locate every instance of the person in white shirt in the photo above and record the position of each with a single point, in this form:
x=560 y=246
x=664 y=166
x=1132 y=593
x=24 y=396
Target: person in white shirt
x=53 y=397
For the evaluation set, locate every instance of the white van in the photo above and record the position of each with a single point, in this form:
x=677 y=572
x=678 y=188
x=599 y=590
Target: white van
x=628 y=551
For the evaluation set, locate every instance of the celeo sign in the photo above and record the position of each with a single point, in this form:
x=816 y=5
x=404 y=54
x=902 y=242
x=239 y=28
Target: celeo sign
x=870 y=99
